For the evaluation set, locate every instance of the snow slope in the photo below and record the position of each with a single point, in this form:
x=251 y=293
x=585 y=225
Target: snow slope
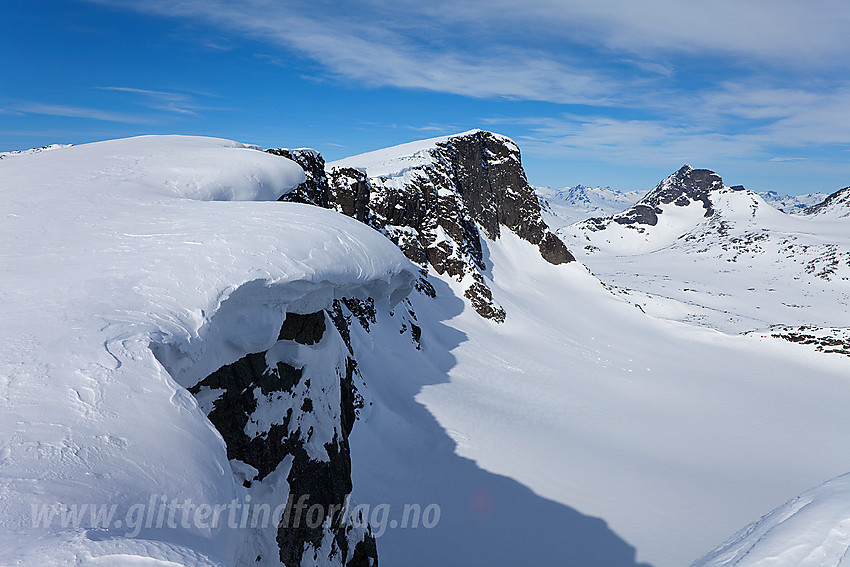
x=112 y=249
x=599 y=410
x=812 y=530
x=673 y=435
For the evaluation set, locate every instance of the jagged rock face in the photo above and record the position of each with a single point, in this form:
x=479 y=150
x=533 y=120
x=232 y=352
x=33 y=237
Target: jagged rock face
x=476 y=178
x=433 y=210
x=348 y=193
x=314 y=190
x=296 y=401
x=492 y=184
x=837 y=204
x=684 y=187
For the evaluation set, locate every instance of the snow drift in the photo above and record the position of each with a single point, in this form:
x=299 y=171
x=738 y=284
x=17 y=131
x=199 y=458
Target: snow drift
x=812 y=530
x=110 y=249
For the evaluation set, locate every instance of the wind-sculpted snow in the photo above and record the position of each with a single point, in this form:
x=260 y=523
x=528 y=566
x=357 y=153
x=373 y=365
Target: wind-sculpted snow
x=812 y=530
x=110 y=250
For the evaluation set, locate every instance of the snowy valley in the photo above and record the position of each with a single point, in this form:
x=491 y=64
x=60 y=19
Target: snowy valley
x=579 y=377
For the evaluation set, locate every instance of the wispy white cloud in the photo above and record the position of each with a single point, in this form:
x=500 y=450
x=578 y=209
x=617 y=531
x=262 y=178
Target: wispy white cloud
x=651 y=81
x=79 y=112
x=780 y=32
x=705 y=127
x=600 y=53
x=167 y=101
x=378 y=52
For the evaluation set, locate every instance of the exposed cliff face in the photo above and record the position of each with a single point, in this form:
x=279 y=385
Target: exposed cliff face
x=285 y=416
x=434 y=200
x=314 y=190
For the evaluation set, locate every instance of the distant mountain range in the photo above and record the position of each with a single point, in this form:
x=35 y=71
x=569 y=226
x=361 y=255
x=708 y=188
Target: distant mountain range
x=572 y=204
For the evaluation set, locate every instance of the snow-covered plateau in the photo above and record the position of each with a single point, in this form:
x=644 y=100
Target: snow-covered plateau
x=172 y=329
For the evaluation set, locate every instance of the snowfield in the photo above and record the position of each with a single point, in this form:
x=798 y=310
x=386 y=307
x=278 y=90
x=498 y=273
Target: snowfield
x=746 y=268
x=812 y=530
x=112 y=249
x=673 y=434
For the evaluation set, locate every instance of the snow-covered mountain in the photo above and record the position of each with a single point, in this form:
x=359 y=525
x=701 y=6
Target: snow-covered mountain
x=792 y=204
x=483 y=401
x=562 y=207
x=836 y=205
x=697 y=251
x=438 y=199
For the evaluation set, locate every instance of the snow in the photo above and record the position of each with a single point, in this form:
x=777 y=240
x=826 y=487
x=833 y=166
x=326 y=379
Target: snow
x=836 y=206
x=792 y=204
x=812 y=530
x=577 y=407
x=608 y=423
x=562 y=207
x=747 y=268
x=4 y=155
x=114 y=250
x=395 y=161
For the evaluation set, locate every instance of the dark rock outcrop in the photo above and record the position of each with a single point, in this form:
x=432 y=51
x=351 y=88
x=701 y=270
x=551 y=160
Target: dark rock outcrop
x=314 y=190
x=433 y=211
x=685 y=186
x=474 y=179
x=267 y=410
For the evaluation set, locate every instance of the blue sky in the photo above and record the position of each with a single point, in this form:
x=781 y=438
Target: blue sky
x=608 y=92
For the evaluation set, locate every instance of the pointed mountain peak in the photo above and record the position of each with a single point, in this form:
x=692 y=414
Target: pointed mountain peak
x=680 y=189
x=683 y=188
x=690 y=179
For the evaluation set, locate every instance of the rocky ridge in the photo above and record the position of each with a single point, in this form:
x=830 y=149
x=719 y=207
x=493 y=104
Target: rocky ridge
x=436 y=200
x=685 y=186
